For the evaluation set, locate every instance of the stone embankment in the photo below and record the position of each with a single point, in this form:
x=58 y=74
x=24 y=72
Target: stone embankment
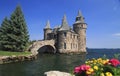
x=13 y=58
x=57 y=73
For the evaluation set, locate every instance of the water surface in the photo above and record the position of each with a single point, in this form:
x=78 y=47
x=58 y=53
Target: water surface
x=47 y=62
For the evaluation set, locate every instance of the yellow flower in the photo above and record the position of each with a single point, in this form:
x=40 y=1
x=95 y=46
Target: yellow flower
x=86 y=62
x=91 y=70
x=102 y=74
x=108 y=74
x=88 y=72
x=105 y=61
x=95 y=67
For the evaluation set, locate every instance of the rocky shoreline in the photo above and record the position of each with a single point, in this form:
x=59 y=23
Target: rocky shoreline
x=13 y=58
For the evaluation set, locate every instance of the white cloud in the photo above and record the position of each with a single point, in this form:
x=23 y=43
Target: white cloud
x=116 y=34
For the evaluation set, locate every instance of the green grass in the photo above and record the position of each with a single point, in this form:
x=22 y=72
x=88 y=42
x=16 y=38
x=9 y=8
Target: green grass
x=7 y=53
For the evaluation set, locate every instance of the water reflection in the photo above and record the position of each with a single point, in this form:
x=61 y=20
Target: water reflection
x=59 y=62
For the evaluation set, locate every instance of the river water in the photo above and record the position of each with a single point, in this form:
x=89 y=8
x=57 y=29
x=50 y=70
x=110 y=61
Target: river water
x=47 y=62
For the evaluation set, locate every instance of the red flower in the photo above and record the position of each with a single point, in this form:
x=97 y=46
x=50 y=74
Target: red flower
x=114 y=62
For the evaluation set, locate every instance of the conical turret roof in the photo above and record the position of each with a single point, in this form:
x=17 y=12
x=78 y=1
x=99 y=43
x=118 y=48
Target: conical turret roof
x=79 y=14
x=47 y=24
x=79 y=18
x=64 y=25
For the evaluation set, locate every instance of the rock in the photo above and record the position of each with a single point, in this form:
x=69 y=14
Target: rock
x=57 y=73
x=13 y=58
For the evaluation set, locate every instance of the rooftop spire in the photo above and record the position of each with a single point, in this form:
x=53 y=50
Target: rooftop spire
x=47 y=24
x=64 y=25
x=79 y=13
x=79 y=18
x=64 y=21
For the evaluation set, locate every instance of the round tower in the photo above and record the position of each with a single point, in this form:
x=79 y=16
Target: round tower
x=80 y=28
x=62 y=35
x=47 y=30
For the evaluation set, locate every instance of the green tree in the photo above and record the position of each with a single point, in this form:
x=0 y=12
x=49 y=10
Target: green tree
x=5 y=30
x=17 y=37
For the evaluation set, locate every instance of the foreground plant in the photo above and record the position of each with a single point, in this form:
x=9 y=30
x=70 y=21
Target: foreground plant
x=99 y=67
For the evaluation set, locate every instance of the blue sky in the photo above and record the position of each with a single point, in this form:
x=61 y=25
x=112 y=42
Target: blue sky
x=102 y=17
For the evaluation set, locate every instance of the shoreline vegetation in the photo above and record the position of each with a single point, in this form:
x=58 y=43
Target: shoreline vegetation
x=10 y=57
x=10 y=53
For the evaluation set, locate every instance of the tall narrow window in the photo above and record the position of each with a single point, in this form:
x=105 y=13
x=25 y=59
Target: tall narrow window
x=65 y=34
x=71 y=45
x=71 y=35
x=64 y=45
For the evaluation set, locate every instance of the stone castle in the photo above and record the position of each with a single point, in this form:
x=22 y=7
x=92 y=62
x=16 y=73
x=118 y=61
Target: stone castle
x=67 y=39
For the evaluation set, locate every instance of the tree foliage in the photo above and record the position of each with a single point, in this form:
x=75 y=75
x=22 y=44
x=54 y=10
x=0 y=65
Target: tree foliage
x=13 y=32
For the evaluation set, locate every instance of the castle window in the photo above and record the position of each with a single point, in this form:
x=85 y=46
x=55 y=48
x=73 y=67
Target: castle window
x=78 y=19
x=74 y=36
x=54 y=36
x=81 y=25
x=71 y=45
x=65 y=34
x=71 y=35
x=77 y=37
x=64 y=45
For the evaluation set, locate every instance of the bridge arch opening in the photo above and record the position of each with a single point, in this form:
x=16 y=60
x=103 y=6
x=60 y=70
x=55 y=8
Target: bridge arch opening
x=47 y=49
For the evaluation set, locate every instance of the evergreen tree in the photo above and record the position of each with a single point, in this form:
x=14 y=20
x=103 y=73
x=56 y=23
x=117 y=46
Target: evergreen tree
x=20 y=35
x=5 y=30
x=16 y=35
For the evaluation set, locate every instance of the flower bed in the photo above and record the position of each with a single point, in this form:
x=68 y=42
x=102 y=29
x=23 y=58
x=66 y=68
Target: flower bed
x=99 y=67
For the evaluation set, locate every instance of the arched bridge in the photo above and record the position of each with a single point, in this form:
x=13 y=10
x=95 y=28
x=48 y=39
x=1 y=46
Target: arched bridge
x=43 y=46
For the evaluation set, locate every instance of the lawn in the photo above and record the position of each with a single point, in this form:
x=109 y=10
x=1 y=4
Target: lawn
x=7 y=53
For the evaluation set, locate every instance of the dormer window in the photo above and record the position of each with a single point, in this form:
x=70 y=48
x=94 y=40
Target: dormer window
x=78 y=19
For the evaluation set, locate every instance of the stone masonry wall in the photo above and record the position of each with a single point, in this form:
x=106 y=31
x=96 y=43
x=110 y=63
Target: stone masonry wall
x=80 y=29
x=71 y=41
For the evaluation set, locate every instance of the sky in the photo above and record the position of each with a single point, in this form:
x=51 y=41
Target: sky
x=102 y=18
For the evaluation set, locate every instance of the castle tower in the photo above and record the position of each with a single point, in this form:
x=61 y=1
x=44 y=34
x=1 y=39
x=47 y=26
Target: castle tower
x=62 y=35
x=47 y=30
x=80 y=28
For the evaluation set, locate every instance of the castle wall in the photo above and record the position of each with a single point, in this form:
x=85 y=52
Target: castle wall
x=66 y=39
x=46 y=32
x=80 y=29
x=67 y=42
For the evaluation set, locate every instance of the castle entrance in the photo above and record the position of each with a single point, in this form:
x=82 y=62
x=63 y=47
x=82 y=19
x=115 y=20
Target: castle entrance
x=46 y=49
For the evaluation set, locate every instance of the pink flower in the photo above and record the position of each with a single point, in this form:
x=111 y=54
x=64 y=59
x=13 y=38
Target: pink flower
x=81 y=68
x=114 y=62
x=87 y=67
x=77 y=69
x=84 y=67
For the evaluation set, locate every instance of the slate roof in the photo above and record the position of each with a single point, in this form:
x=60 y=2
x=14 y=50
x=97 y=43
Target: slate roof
x=47 y=25
x=81 y=18
x=79 y=14
x=64 y=25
